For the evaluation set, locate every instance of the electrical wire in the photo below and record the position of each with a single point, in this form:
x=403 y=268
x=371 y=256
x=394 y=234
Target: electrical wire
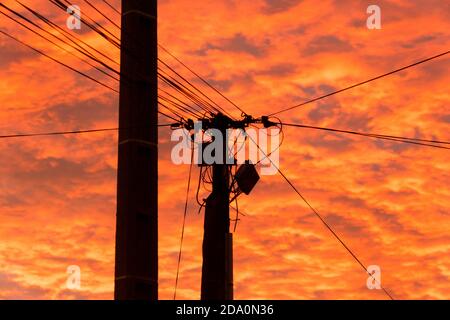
x=236 y=220
x=201 y=78
x=332 y=231
x=176 y=113
x=184 y=65
x=198 y=100
x=280 y=132
x=65 y=64
x=102 y=31
x=195 y=88
x=205 y=105
x=92 y=24
x=57 y=133
x=189 y=94
x=112 y=7
x=201 y=204
x=420 y=142
x=323 y=220
x=178 y=106
x=240 y=211
x=186 y=91
x=362 y=83
x=59 y=62
x=54 y=43
x=102 y=14
x=72 y=37
x=111 y=37
x=184 y=222
x=181 y=103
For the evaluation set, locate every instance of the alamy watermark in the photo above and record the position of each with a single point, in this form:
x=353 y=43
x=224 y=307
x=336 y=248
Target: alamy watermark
x=259 y=146
x=374 y=20
x=73 y=281
x=73 y=22
x=374 y=280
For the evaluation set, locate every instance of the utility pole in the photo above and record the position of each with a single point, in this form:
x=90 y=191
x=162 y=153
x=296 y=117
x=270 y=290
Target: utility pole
x=217 y=269
x=136 y=269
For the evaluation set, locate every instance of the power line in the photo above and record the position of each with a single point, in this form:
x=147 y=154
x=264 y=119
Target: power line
x=112 y=7
x=377 y=136
x=73 y=44
x=188 y=68
x=82 y=73
x=184 y=223
x=196 y=110
x=217 y=107
x=102 y=14
x=188 y=93
x=205 y=105
x=393 y=138
x=180 y=106
x=56 y=44
x=58 y=133
x=70 y=36
x=176 y=113
x=92 y=25
x=202 y=79
x=321 y=219
x=166 y=115
x=111 y=37
x=331 y=229
x=59 y=62
x=184 y=79
x=361 y=83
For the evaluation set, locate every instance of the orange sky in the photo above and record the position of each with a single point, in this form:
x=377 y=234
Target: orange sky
x=389 y=202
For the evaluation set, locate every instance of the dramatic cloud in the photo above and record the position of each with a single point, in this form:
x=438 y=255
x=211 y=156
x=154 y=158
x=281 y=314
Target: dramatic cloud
x=237 y=44
x=275 y=6
x=388 y=201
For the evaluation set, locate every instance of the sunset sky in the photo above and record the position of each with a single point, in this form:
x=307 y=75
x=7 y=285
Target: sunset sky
x=388 y=201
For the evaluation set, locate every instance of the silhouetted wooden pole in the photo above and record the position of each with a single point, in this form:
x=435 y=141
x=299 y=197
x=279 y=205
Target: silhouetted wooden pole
x=136 y=270
x=217 y=268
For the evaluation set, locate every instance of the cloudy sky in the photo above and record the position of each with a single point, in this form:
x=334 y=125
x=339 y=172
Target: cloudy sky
x=388 y=201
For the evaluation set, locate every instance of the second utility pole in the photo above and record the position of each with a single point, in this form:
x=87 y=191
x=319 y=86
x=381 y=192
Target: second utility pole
x=217 y=269
x=136 y=270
